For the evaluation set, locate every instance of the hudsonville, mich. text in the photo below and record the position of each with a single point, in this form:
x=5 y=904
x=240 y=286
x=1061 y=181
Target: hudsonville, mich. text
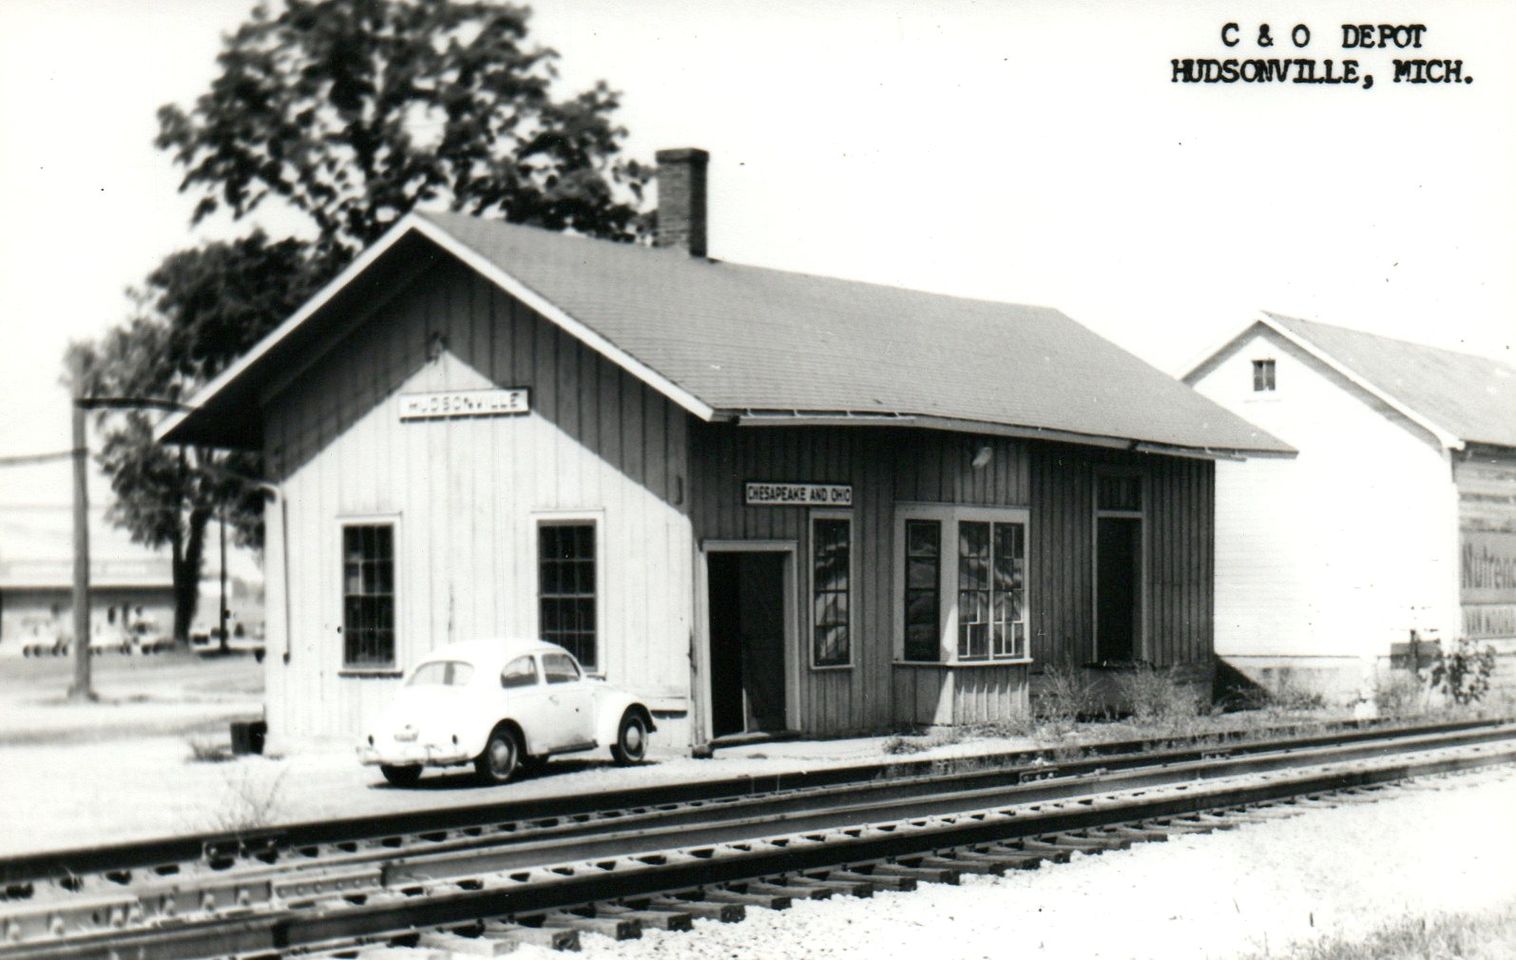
x=1349 y=71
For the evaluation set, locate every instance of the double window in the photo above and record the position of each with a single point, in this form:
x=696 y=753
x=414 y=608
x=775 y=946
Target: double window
x=368 y=595
x=566 y=587
x=1263 y=376
x=962 y=584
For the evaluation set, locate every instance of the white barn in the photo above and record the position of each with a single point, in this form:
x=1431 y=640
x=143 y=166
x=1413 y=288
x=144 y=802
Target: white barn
x=1399 y=513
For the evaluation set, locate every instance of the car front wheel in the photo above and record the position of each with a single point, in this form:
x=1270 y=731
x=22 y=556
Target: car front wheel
x=501 y=756
x=400 y=776
x=631 y=738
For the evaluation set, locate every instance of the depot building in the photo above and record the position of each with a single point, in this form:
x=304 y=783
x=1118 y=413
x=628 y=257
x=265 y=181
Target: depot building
x=763 y=501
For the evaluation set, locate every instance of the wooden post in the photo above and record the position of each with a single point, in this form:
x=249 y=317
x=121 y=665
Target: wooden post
x=81 y=687
x=225 y=640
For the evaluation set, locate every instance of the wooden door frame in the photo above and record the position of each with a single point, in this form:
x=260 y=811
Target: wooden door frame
x=790 y=550
x=1144 y=559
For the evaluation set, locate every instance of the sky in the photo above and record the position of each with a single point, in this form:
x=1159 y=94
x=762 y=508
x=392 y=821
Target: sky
x=1034 y=152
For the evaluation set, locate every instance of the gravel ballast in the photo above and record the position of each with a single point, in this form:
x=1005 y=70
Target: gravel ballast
x=1257 y=889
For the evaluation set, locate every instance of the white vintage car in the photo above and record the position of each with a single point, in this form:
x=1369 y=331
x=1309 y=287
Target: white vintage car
x=501 y=705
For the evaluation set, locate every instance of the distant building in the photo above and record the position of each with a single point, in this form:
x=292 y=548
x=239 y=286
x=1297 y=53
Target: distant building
x=131 y=588
x=1399 y=513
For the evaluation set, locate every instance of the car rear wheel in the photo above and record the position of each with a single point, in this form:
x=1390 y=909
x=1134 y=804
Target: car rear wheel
x=631 y=738
x=501 y=756
x=401 y=776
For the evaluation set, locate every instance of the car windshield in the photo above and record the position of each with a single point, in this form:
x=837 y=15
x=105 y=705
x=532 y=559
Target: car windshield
x=442 y=673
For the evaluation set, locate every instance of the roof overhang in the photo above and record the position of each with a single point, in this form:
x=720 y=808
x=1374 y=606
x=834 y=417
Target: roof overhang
x=1266 y=321
x=835 y=418
x=227 y=411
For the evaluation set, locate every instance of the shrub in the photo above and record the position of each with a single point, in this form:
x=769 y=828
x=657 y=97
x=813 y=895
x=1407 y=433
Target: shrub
x=208 y=750
x=1157 y=695
x=1400 y=695
x=897 y=745
x=1463 y=674
x=1066 y=695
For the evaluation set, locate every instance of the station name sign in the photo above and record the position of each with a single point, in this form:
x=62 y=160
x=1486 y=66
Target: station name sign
x=463 y=403
x=761 y=494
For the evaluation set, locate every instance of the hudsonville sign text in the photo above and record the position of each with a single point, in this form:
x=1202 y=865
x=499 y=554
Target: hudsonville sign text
x=462 y=403
x=1283 y=57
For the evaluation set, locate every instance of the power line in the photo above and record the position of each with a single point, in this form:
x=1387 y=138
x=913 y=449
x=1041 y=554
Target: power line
x=27 y=459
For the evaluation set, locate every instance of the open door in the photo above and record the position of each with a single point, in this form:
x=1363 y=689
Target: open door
x=1118 y=588
x=746 y=604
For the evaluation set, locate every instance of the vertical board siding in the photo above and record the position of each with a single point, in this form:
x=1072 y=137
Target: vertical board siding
x=466 y=494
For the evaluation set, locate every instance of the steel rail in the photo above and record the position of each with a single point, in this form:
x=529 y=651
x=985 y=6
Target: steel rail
x=223 y=850
x=534 y=891
x=518 y=844
x=831 y=810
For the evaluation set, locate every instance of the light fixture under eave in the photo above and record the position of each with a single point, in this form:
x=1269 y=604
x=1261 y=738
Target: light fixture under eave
x=982 y=457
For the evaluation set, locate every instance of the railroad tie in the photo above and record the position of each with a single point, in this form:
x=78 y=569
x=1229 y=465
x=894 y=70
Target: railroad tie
x=920 y=874
x=879 y=880
x=791 y=890
x=1138 y=833
x=1054 y=852
x=1000 y=860
x=551 y=938
x=452 y=943
x=751 y=898
x=705 y=908
x=1181 y=825
x=846 y=888
x=617 y=928
x=962 y=866
x=657 y=917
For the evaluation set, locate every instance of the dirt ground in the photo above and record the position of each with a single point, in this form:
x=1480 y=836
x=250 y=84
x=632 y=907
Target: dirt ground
x=127 y=767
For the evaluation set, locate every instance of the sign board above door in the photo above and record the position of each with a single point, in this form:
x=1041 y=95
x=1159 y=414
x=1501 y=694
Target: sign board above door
x=462 y=403
x=764 y=494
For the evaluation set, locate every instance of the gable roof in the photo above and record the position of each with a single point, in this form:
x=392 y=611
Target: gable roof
x=1458 y=397
x=733 y=342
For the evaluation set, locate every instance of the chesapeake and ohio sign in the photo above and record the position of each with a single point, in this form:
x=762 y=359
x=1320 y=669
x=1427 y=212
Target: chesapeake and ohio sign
x=462 y=403
x=765 y=494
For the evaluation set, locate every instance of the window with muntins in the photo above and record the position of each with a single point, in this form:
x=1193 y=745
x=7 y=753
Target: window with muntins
x=566 y=587
x=368 y=595
x=923 y=578
x=831 y=585
x=1263 y=376
x=991 y=590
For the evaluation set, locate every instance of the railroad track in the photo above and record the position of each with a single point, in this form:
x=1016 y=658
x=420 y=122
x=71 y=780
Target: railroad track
x=615 y=870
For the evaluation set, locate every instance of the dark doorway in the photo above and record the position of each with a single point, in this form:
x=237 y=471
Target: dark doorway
x=1118 y=588
x=746 y=597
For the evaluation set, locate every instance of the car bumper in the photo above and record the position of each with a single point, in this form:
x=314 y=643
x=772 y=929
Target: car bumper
x=412 y=754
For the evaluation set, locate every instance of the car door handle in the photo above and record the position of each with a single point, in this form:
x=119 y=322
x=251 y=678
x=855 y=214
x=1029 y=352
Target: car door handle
x=552 y=698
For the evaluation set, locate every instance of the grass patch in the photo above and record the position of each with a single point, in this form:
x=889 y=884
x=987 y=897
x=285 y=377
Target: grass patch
x=1473 y=936
x=208 y=750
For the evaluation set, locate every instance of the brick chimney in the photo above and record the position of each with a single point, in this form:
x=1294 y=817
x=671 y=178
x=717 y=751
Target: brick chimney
x=681 y=199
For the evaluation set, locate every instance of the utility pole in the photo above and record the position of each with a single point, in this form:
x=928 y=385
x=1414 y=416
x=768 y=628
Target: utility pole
x=225 y=640
x=80 y=691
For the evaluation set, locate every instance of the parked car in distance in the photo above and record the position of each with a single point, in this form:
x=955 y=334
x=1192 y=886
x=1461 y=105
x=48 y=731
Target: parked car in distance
x=501 y=705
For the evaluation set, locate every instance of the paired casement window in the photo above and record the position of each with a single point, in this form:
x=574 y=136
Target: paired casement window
x=831 y=590
x=566 y=587
x=1263 y=376
x=368 y=595
x=962 y=584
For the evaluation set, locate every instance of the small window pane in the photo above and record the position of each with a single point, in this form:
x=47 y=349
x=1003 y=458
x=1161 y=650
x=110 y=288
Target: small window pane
x=831 y=574
x=923 y=562
x=558 y=668
x=442 y=673
x=566 y=588
x=368 y=601
x=520 y=672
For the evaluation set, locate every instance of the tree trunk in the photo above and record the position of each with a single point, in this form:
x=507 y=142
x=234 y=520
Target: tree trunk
x=187 y=563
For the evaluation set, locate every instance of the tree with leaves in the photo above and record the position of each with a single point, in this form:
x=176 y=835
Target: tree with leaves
x=346 y=113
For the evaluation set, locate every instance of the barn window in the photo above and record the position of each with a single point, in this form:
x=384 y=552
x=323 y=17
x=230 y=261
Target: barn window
x=368 y=595
x=963 y=576
x=831 y=590
x=1263 y=375
x=566 y=588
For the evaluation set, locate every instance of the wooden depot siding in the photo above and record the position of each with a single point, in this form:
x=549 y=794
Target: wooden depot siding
x=465 y=495
x=891 y=468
